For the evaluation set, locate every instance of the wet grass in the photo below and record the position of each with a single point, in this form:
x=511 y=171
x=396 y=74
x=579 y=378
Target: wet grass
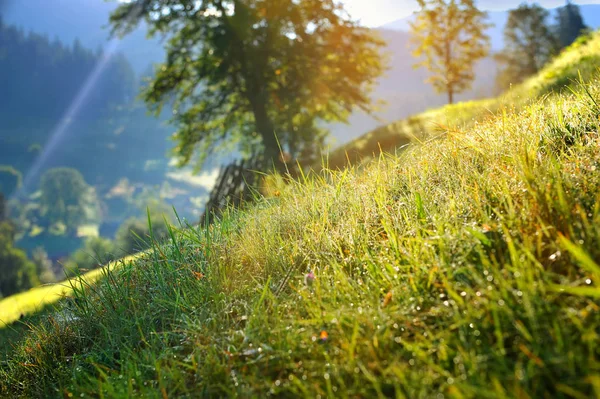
x=466 y=266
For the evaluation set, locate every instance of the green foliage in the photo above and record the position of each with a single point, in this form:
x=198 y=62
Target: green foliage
x=450 y=38
x=17 y=273
x=255 y=73
x=43 y=266
x=66 y=198
x=529 y=44
x=3 y=208
x=569 y=24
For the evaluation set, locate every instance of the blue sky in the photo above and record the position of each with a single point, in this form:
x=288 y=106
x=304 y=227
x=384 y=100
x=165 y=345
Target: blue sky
x=379 y=12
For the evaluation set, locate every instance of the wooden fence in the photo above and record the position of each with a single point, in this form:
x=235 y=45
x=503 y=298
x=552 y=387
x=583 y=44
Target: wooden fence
x=233 y=187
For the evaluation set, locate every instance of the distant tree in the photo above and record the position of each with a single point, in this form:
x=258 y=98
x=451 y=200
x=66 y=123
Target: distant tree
x=66 y=198
x=529 y=44
x=259 y=73
x=450 y=38
x=569 y=24
x=43 y=266
x=3 y=208
x=17 y=273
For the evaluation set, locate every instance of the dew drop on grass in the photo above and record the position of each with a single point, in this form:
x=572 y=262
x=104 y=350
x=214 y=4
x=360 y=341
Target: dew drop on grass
x=326 y=376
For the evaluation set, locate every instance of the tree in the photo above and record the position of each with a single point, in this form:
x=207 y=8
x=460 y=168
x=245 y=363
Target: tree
x=3 y=208
x=43 y=266
x=528 y=44
x=66 y=198
x=450 y=37
x=259 y=73
x=17 y=273
x=569 y=24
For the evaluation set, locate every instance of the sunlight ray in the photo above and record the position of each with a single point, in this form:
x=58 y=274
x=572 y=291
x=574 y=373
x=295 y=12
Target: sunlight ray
x=59 y=133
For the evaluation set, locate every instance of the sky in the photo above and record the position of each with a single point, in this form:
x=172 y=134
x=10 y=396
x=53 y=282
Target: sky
x=374 y=13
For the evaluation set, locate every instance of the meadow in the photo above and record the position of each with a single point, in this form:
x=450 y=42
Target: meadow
x=464 y=265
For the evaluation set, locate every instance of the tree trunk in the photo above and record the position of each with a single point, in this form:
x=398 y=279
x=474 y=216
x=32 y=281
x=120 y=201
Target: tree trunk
x=450 y=96
x=265 y=128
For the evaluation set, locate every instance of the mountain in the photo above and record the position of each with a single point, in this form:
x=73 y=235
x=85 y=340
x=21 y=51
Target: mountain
x=590 y=13
x=86 y=20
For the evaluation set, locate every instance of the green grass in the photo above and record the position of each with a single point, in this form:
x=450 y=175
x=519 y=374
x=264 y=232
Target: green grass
x=467 y=266
x=29 y=302
x=20 y=312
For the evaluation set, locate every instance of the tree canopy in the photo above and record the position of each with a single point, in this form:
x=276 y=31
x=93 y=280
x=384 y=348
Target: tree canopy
x=450 y=37
x=569 y=24
x=258 y=74
x=17 y=273
x=65 y=197
x=529 y=44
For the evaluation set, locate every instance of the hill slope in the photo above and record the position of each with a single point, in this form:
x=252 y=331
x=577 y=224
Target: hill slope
x=466 y=267
x=583 y=56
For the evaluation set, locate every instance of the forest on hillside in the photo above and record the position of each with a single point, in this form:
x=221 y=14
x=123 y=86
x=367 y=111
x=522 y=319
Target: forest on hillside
x=71 y=110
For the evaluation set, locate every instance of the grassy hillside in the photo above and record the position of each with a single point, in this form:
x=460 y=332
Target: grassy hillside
x=582 y=57
x=464 y=267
